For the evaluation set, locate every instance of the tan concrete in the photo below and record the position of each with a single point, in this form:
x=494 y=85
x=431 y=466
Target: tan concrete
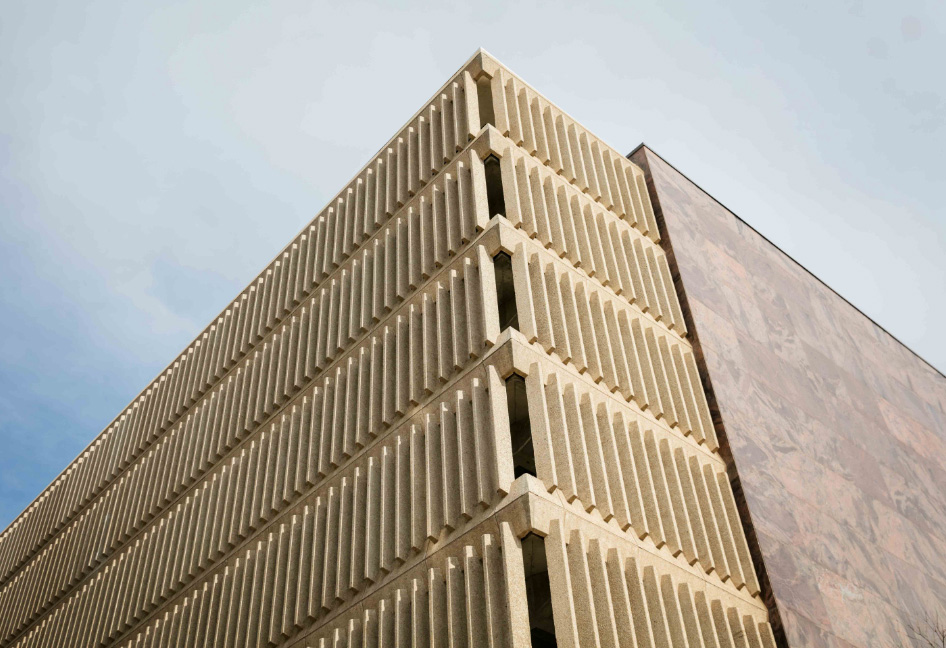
x=330 y=462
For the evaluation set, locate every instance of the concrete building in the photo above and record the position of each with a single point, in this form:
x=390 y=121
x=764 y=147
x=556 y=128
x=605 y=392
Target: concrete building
x=468 y=406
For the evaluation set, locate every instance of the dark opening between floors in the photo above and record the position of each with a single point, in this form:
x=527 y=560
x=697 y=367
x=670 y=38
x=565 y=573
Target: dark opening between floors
x=538 y=592
x=495 y=199
x=505 y=292
x=484 y=97
x=520 y=429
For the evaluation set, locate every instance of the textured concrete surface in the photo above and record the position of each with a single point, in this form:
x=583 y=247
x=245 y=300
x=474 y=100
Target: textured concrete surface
x=837 y=430
x=330 y=463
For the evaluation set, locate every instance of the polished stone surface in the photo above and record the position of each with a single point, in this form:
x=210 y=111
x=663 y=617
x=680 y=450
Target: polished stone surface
x=837 y=430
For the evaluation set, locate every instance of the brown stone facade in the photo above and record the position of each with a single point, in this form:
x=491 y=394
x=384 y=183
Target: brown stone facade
x=837 y=431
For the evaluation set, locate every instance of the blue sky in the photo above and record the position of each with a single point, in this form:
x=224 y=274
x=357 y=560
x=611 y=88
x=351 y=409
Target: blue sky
x=155 y=155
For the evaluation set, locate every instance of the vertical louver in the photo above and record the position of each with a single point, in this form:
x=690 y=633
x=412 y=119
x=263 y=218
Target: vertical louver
x=331 y=462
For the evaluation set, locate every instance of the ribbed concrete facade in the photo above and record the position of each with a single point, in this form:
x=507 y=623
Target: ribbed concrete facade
x=342 y=458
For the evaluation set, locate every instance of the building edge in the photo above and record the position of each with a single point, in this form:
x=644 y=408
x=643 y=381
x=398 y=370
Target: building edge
x=639 y=157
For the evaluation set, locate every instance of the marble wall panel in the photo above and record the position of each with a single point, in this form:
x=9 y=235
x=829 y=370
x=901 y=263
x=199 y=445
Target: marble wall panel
x=837 y=431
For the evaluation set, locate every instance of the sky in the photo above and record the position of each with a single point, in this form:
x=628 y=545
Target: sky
x=154 y=156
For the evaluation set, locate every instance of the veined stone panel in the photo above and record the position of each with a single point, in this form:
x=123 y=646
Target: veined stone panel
x=837 y=430
x=331 y=462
